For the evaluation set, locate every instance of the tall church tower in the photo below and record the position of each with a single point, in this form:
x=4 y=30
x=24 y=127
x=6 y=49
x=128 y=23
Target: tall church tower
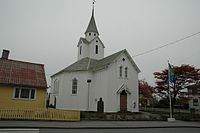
x=91 y=46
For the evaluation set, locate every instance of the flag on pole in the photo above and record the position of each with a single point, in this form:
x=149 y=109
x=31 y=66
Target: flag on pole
x=171 y=73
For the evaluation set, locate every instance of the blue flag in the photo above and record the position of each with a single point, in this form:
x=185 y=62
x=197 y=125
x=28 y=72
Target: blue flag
x=171 y=73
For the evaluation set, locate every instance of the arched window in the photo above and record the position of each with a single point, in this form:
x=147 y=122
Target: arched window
x=126 y=72
x=74 y=86
x=120 y=71
x=96 y=50
x=56 y=86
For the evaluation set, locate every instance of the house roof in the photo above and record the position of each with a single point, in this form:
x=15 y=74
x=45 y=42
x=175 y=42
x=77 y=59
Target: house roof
x=88 y=64
x=13 y=72
x=92 y=25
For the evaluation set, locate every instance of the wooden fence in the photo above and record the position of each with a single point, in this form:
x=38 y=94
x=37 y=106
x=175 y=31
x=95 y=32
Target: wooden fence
x=40 y=114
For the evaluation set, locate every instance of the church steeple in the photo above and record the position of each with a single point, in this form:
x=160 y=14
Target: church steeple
x=92 y=25
x=91 y=46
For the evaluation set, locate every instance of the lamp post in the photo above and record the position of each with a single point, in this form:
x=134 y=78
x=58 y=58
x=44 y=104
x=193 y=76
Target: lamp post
x=89 y=81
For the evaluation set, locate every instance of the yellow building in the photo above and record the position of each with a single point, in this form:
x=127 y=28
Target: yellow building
x=22 y=84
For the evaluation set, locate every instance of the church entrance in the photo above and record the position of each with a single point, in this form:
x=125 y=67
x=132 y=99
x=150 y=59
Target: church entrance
x=123 y=101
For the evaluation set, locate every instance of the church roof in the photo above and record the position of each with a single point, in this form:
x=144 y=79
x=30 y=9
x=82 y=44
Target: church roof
x=88 y=64
x=92 y=25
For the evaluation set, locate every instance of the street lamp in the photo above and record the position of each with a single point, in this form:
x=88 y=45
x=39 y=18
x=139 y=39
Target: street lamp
x=89 y=81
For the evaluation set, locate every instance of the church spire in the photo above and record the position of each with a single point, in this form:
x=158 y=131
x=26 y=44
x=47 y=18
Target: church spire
x=92 y=25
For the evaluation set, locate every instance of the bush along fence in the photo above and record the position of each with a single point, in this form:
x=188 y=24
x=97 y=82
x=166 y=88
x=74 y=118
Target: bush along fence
x=40 y=114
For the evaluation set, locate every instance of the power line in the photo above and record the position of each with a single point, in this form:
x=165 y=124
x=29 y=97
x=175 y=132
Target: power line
x=171 y=43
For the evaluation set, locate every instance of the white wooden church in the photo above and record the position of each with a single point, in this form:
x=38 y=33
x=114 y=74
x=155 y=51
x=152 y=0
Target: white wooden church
x=113 y=79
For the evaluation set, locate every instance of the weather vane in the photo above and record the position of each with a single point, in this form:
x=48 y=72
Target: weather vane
x=93 y=2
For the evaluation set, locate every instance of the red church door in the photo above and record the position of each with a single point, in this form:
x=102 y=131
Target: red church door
x=123 y=101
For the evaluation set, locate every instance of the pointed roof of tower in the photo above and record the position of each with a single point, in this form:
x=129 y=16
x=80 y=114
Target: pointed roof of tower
x=92 y=25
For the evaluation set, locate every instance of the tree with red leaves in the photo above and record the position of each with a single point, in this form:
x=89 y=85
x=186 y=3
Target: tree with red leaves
x=184 y=76
x=145 y=91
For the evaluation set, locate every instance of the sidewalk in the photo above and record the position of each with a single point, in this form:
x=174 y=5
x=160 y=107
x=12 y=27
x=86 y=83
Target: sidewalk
x=97 y=124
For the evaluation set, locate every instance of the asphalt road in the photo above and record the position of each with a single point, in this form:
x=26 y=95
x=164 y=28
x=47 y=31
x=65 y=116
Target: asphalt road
x=145 y=130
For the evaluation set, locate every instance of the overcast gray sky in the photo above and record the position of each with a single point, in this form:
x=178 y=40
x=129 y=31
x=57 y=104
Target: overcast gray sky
x=47 y=31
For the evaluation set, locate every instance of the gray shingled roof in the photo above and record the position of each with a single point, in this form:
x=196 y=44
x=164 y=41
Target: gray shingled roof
x=106 y=61
x=92 y=25
x=88 y=64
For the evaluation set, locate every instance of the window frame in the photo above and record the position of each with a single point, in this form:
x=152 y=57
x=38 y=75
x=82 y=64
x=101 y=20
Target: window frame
x=20 y=92
x=126 y=72
x=74 y=85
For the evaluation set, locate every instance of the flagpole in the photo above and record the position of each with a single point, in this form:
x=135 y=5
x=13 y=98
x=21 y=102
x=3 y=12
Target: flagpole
x=170 y=105
x=170 y=99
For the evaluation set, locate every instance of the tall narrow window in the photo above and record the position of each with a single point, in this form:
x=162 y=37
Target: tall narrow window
x=96 y=50
x=195 y=102
x=120 y=71
x=126 y=72
x=74 y=86
x=56 y=86
x=25 y=93
x=17 y=92
x=80 y=49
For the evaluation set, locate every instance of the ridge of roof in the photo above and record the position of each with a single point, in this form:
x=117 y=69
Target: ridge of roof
x=21 y=61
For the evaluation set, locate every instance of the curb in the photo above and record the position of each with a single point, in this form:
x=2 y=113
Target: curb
x=100 y=127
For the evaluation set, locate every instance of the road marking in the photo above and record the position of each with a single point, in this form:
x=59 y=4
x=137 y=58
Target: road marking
x=19 y=130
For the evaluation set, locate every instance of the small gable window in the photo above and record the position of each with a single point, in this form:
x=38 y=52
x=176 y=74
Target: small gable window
x=94 y=34
x=80 y=49
x=74 y=86
x=126 y=72
x=120 y=71
x=97 y=41
x=96 y=49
